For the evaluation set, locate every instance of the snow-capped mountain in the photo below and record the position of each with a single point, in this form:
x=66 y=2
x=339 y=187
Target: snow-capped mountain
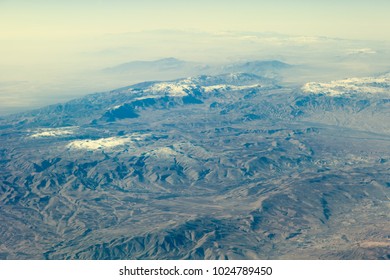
x=366 y=85
x=268 y=68
x=129 y=101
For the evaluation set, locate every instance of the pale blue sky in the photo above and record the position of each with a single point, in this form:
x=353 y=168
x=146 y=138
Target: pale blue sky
x=343 y=18
x=38 y=30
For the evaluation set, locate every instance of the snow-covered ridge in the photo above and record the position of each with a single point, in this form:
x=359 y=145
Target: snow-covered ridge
x=184 y=87
x=53 y=132
x=205 y=84
x=365 y=85
x=172 y=89
x=224 y=87
x=102 y=143
x=162 y=152
x=106 y=143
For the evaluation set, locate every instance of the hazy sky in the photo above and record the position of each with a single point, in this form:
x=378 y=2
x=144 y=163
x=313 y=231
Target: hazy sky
x=31 y=30
x=45 y=44
x=21 y=19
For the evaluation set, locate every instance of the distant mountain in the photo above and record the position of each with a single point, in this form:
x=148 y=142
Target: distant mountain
x=162 y=69
x=169 y=68
x=264 y=68
x=229 y=166
x=165 y=64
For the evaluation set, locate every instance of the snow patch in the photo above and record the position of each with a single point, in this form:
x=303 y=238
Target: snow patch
x=367 y=85
x=106 y=143
x=225 y=87
x=53 y=132
x=103 y=143
x=172 y=89
x=163 y=151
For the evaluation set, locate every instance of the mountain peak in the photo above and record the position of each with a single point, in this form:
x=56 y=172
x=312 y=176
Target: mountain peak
x=146 y=65
x=169 y=59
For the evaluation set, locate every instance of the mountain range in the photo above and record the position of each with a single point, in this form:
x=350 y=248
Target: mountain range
x=229 y=166
x=173 y=67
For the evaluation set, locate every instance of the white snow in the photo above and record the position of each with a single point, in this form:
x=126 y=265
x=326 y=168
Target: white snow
x=106 y=143
x=367 y=85
x=172 y=89
x=225 y=87
x=115 y=107
x=53 y=132
x=102 y=143
x=145 y=97
x=186 y=86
